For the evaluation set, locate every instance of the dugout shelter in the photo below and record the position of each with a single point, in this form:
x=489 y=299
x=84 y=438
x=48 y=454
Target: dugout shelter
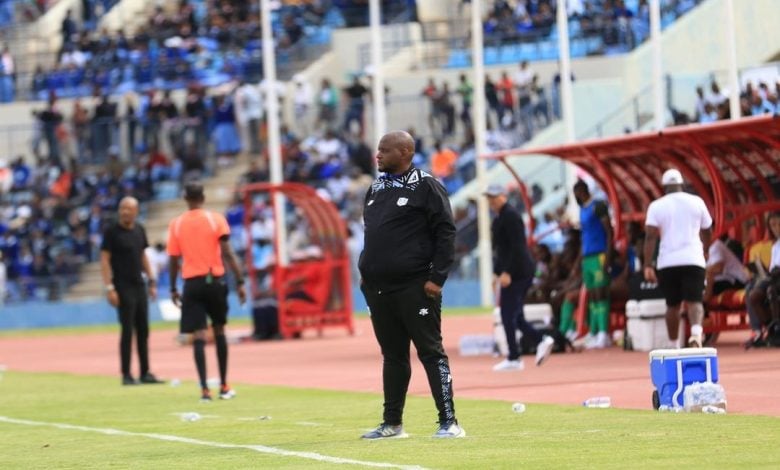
x=733 y=165
x=314 y=292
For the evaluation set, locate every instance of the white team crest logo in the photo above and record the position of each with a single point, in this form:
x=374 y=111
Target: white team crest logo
x=370 y=202
x=402 y=201
x=423 y=312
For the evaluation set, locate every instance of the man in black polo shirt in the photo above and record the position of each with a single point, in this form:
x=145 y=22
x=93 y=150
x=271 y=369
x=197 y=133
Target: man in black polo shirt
x=122 y=260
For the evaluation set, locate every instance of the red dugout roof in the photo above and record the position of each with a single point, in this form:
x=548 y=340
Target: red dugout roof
x=734 y=166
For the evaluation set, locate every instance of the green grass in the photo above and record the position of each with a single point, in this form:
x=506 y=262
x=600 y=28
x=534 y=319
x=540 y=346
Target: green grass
x=329 y=423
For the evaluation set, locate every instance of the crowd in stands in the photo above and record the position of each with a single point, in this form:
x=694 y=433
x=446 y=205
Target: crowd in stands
x=518 y=106
x=52 y=219
x=620 y=24
x=713 y=104
x=22 y=11
x=198 y=41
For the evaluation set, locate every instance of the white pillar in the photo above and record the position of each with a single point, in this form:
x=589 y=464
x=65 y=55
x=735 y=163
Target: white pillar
x=731 y=40
x=272 y=120
x=378 y=80
x=657 y=73
x=479 y=116
x=567 y=101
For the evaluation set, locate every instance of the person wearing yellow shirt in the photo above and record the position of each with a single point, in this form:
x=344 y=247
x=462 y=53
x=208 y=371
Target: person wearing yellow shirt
x=760 y=264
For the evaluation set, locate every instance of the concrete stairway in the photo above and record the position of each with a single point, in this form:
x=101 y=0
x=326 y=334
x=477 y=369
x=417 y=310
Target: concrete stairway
x=219 y=191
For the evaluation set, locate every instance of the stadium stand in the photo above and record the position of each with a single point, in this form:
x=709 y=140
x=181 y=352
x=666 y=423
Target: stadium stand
x=517 y=31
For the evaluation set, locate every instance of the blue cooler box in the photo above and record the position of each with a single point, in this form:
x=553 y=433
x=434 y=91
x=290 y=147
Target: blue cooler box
x=671 y=370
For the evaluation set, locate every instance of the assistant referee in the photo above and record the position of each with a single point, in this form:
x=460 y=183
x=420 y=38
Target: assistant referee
x=409 y=249
x=201 y=239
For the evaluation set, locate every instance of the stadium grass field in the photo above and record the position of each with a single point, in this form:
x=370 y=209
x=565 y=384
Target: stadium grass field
x=110 y=426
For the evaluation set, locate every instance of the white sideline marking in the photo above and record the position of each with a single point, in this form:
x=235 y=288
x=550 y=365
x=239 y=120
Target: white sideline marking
x=186 y=440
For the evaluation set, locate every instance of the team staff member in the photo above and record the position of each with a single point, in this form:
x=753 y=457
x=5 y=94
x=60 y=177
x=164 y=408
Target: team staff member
x=408 y=251
x=122 y=260
x=596 y=259
x=201 y=238
x=514 y=269
x=684 y=225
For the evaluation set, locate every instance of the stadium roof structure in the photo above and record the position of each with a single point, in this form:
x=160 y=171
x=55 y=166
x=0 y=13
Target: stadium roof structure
x=733 y=165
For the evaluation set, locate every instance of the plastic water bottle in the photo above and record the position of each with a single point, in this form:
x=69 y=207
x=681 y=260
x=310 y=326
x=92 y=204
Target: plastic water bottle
x=712 y=409
x=597 y=402
x=191 y=417
x=518 y=407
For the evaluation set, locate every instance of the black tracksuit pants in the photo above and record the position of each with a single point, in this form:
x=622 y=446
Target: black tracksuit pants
x=133 y=313
x=513 y=316
x=400 y=317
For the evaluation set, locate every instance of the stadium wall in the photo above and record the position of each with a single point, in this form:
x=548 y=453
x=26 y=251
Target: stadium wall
x=457 y=293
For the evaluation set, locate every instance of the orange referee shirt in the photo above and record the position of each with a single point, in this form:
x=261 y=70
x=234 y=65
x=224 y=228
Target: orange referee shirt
x=195 y=236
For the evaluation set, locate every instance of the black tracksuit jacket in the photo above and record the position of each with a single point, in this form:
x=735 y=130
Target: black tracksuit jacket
x=409 y=231
x=510 y=249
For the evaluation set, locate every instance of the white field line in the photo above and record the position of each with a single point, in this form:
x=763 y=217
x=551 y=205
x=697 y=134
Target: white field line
x=186 y=440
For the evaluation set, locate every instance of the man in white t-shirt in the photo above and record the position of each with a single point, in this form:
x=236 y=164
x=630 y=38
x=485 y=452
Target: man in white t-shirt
x=684 y=226
x=249 y=113
x=724 y=269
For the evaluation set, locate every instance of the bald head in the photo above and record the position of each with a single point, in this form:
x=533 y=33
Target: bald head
x=129 y=201
x=402 y=139
x=396 y=150
x=128 y=211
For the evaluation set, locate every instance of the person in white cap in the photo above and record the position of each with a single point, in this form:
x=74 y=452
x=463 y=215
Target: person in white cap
x=684 y=226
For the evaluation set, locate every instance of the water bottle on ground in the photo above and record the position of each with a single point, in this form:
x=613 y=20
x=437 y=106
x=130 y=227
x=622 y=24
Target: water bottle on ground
x=597 y=402
x=518 y=407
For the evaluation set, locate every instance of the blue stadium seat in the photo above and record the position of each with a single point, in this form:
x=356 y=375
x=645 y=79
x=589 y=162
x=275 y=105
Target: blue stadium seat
x=548 y=50
x=595 y=44
x=578 y=48
x=529 y=52
x=491 y=55
x=508 y=54
x=458 y=58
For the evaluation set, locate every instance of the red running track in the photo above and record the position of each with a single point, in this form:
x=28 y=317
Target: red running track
x=340 y=362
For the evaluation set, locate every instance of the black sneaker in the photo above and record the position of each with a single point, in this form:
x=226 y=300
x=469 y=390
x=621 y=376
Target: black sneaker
x=756 y=341
x=129 y=380
x=149 y=378
x=205 y=396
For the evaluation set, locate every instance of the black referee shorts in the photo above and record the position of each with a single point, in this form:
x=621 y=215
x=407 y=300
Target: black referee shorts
x=202 y=300
x=680 y=283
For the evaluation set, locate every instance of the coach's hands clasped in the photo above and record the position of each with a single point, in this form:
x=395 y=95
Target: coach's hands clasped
x=432 y=289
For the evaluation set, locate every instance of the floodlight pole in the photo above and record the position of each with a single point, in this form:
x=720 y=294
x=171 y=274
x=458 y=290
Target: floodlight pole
x=566 y=95
x=731 y=39
x=657 y=74
x=479 y=117
x=566 y=98
x=274 y=138
x=378 y=79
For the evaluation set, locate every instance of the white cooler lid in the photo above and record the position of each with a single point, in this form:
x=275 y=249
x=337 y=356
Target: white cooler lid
x=687 y=352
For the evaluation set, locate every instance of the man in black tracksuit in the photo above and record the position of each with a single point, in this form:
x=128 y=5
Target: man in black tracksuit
x=514 y=269
x=409 y=249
